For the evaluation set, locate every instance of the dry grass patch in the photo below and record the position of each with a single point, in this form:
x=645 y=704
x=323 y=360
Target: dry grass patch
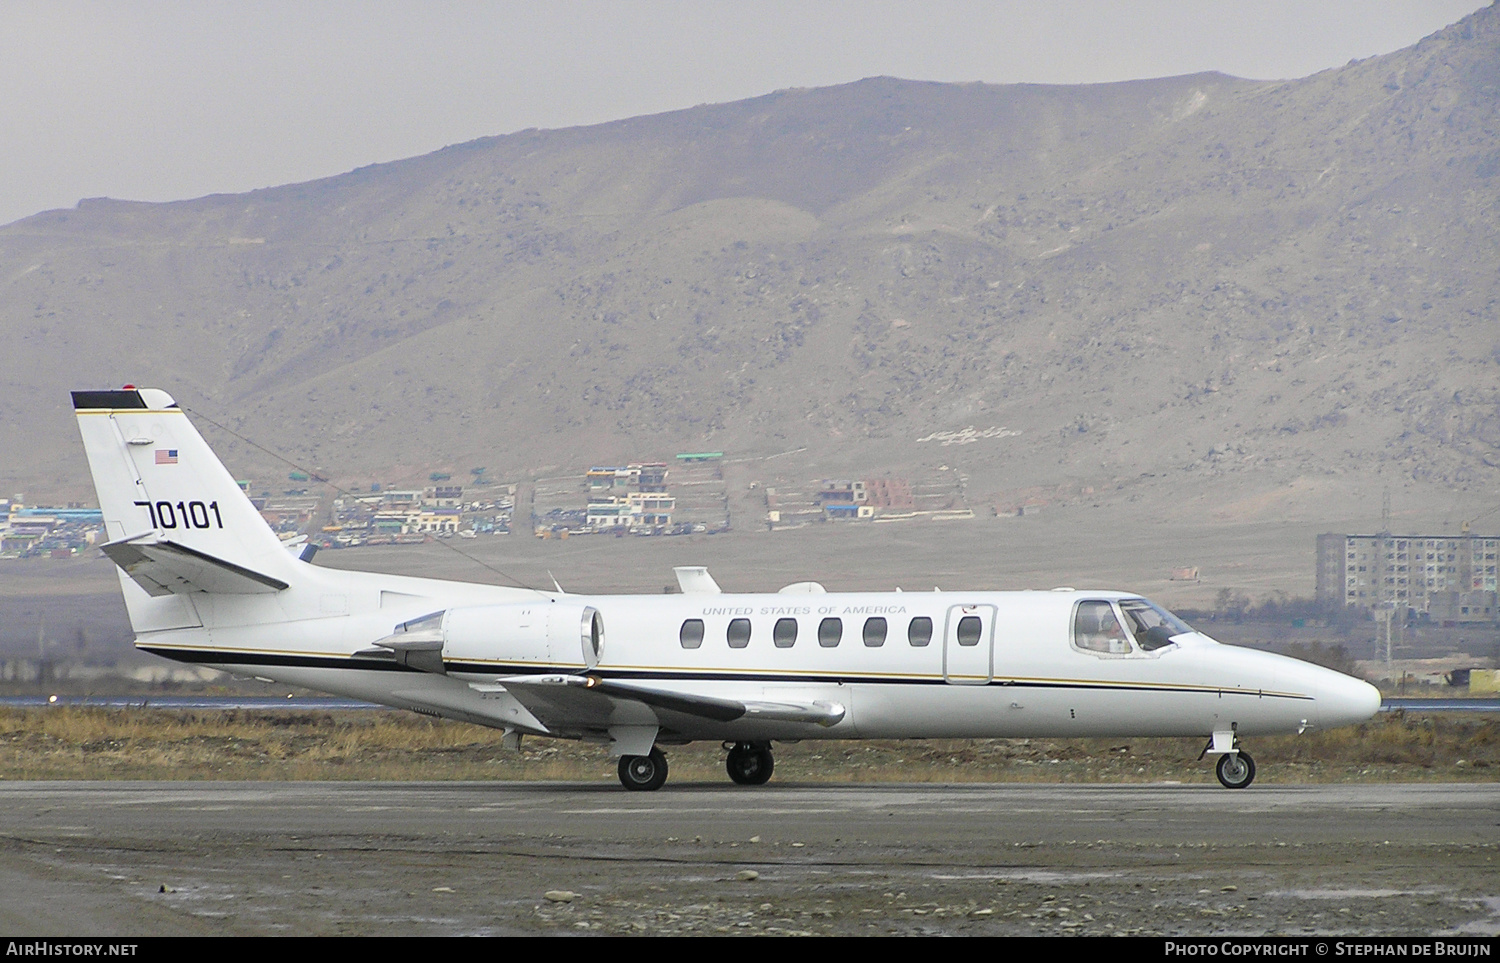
x=69 y=742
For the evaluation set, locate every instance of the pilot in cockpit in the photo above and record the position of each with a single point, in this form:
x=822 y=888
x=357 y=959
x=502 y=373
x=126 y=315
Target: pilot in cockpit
x=1097 y=629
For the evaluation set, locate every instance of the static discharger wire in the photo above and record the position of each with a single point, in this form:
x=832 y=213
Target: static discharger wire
x=344 y=491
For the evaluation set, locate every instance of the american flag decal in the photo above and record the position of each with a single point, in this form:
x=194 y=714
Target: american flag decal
x=166 y=456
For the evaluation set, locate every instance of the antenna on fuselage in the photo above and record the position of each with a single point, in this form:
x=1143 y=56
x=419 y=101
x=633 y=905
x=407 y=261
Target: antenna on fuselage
x=695 y=580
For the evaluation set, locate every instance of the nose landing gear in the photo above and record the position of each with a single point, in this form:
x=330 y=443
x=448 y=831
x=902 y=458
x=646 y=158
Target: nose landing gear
x=750 y=763
x=1235 y=770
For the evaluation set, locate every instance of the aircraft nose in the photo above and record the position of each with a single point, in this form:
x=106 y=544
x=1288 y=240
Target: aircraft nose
x=1343 y=700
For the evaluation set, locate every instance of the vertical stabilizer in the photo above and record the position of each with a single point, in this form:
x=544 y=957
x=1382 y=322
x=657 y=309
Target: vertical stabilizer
x=176 y=521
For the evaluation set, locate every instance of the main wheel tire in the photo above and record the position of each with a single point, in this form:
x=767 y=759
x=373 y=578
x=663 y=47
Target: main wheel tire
x=1235 y=770
x=644 y=773
x=749 y=765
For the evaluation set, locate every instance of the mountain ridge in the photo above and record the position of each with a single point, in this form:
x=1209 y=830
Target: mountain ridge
x=1171 y=289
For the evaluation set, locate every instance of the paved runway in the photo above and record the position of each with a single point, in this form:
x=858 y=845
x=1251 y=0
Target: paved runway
x=449 y=858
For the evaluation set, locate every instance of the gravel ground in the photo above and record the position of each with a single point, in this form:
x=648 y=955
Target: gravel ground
x=493 y=858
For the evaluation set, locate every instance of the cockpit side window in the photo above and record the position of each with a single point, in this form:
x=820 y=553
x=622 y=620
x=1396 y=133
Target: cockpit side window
x=1097 y=629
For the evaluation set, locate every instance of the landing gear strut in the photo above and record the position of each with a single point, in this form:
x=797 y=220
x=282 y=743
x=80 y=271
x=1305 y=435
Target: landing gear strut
x=750 y=763
x=1235 y=770
x=644 y=773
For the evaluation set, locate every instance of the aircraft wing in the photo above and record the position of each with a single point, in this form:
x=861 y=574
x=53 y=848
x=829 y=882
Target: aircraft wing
x=163 y=567
x=592 y=697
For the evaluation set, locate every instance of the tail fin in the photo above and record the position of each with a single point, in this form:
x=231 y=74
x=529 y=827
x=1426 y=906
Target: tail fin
x=176 y=521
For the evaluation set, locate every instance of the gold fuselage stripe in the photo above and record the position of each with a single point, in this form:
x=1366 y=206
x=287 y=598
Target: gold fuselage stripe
x=727 y=673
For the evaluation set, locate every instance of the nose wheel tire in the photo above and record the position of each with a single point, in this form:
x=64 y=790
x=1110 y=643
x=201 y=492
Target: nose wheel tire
x=644 y=773
x=1235 y=770
x=749 y=765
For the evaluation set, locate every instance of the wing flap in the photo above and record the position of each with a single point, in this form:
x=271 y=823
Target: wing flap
x=580 y=690
x=561 y=701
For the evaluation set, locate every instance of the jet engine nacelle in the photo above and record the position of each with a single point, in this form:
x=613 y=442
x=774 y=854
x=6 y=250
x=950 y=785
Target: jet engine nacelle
x=542 y=632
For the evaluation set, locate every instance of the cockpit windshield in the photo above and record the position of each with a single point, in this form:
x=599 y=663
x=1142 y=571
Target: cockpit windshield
x=1152 y=625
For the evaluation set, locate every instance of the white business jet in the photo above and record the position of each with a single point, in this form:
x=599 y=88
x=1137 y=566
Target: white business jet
x=206 y=581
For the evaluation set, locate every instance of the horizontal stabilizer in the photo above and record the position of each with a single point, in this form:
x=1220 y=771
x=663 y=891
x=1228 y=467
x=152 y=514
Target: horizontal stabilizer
x=423 y=654
x=163 y=567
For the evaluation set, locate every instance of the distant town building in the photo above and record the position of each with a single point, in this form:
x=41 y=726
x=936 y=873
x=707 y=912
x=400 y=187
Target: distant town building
x=634 y=510
x=632 y=497
x=443 y=496
x=1447 y=578
x=892 y=493
x=846 y=498
x=55 y=532
x=841 y=492
x=435 y=521
x=647 y=477
x=392 y=500
x=289 y=514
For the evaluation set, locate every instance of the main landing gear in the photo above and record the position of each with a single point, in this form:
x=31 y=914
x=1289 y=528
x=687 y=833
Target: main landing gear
x=644 y=773
x=748 y=763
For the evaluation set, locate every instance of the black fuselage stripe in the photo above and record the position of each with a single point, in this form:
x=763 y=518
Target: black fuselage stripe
x=215 y=657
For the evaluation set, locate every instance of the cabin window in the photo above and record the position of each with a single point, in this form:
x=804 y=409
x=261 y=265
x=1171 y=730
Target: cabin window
x=969 y=630
x=875 y=632
x=784 y=634
x=919 y=632
x=691 y=635
x=739 y=633
x=829 y=633
x=1096 y=629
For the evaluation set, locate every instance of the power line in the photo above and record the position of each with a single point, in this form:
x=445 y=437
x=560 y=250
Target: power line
x=344 y=491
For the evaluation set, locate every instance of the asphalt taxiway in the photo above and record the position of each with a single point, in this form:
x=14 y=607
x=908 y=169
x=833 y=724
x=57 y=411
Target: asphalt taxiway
x=121 y=859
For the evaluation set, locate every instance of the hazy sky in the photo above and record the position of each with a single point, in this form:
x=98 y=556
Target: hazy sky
x=179 y=98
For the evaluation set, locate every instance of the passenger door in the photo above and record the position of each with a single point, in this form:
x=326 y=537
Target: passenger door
x=969 y=645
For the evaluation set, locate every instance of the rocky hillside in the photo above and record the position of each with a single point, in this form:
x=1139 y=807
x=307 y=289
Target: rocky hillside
x=1199 y=293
